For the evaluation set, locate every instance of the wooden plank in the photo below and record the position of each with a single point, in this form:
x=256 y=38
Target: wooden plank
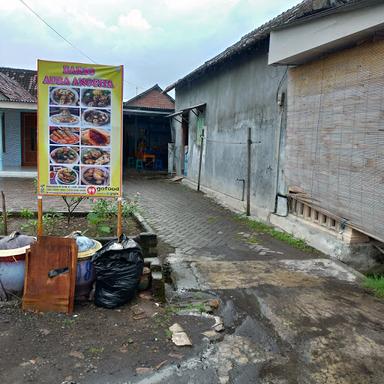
x=50 y=275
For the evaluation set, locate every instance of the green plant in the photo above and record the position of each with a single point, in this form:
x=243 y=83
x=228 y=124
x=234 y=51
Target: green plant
x=104 y=214
x=99 y=223
x=196 y=307
x=4 y=223
x=128 y=208
x=95 y=350
x=376 y=284
x=168 y=333
x=35 y=184
x=51 y=221
x=26 y=213
x=30 y=227
x=259 y=227
x=68 y=322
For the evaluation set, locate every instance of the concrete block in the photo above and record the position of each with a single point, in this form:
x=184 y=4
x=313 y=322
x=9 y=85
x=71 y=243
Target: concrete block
x=362 y=256
x=148 y=261
x=158 y=286
x=155 y=265
x=148 y=240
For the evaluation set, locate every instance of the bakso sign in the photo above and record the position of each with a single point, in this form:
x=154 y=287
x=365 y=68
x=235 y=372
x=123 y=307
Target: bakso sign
x=79 y=129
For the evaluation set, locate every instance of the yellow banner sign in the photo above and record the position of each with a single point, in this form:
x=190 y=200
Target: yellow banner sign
x=79 y=129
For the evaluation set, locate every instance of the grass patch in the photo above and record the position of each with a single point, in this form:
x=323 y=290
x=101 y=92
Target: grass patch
x=252 y=240
x=196 y=307
x=95 y=350
x=69 y=322
x=376 y=284
x=168 y=333
x=259 y=227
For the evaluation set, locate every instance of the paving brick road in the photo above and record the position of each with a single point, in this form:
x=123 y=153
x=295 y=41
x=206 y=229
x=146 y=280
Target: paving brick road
x=182 y=217
x=19 y=194
x=195 y=224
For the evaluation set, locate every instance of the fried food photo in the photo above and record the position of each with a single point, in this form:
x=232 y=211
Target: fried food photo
x=95 y=156
x=95 y=137
x=64 y=135
x=64 y=155
x=66 y=176
x=95 y=176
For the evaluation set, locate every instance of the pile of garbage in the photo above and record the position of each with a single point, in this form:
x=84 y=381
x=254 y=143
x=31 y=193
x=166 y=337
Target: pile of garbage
x=118 y=266
x=110 y=274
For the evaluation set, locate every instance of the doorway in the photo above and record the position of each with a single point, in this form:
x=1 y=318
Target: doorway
x=28 y=139
x=185 y=143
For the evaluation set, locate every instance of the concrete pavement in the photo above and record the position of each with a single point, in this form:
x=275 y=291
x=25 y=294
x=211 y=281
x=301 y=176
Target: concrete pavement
x=292 y=316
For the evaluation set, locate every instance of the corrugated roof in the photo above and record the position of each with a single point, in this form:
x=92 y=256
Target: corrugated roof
x=13 y=91
x=301 y=10
x=152 y=98
x=27 y=78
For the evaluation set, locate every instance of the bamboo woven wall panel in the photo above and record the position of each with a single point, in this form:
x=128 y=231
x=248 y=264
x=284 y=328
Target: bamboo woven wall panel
x=335 y=134
x=50 y=275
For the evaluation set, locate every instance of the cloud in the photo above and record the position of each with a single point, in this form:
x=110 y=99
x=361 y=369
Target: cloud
x=199 y=6
x=191 y=30
x=134 y=19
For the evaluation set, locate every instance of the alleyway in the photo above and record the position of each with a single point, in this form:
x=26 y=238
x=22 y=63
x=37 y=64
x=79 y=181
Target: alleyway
x=293 y=316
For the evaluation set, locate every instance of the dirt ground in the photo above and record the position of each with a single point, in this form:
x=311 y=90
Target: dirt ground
x=59 y=227
x=92 y=343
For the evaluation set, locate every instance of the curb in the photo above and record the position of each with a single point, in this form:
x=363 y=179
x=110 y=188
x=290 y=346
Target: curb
x=140 y=219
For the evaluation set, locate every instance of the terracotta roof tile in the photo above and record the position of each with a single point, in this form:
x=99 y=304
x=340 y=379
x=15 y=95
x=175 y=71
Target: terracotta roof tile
x=13 y=91
x=27 y=78
x=152 y=98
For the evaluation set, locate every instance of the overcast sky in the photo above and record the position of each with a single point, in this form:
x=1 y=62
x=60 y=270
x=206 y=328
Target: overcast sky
x=157 y=41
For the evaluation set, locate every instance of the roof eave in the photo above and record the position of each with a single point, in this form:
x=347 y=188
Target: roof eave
x=323 y=13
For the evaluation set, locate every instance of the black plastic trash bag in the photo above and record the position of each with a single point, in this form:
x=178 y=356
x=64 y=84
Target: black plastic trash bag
x=118 y=266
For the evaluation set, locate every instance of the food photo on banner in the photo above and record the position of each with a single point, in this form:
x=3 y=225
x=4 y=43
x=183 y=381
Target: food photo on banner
x=79 y=129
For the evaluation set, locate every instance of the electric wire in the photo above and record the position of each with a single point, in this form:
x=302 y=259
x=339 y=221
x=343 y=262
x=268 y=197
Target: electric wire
x=229 y=142
x=57 y=33
x=66 y=40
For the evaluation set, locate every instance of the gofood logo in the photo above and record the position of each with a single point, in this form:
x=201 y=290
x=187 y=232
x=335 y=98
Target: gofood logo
x=91 y=190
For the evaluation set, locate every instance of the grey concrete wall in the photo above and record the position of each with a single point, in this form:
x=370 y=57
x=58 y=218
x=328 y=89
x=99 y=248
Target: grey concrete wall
x=243 y=94
x=12 y=156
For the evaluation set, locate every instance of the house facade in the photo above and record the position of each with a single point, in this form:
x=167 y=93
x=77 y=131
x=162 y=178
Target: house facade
x=334 y=153
x=229 y=96
x=314 y=157
x=147 y=129
x=18 y=123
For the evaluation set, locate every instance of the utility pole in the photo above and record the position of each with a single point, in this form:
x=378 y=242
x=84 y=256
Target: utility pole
x=201 y=159
x=249 y=144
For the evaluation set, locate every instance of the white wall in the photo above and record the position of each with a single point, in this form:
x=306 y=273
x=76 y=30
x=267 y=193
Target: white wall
x=304 y=41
